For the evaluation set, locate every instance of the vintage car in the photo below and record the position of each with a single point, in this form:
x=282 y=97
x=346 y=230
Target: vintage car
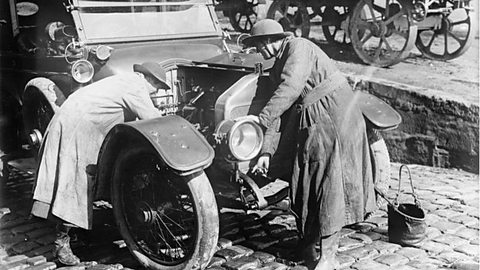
x=166 y=178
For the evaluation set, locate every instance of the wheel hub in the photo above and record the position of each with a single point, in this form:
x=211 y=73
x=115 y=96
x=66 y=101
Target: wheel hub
x=145 y=213
x=35 y=138
x=420 y=10
x=378 y=29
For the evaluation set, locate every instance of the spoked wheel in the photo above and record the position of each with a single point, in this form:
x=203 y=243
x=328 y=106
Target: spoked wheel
x=382 y=31
x=335 y=25
x=167 y=221
x=244 y=15
x=292 y=15
x=451 y=39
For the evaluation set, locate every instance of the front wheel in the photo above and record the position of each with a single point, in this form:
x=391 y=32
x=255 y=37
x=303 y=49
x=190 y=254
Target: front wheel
x=167 y=221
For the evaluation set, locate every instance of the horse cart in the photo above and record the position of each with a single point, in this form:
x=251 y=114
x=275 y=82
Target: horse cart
x=382 y=32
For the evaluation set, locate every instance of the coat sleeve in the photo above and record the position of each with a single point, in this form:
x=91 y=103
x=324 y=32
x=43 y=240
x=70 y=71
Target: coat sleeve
x=141 y=105
x=293 y=78
x=271 y=138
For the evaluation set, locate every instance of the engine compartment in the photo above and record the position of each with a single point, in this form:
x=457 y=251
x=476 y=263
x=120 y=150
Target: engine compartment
x=197 y=89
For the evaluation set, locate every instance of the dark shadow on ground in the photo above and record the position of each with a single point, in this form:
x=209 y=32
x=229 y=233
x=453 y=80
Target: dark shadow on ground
x=339 y=52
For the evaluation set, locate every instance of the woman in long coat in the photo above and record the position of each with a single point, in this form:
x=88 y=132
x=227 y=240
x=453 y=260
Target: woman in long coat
x=73 y=140
x=332 y=183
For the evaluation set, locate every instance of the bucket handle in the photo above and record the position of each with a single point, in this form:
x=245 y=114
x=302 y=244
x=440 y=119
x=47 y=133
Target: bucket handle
x=415 y=198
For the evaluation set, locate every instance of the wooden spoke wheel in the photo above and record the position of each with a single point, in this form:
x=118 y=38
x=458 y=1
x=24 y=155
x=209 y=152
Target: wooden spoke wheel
x=450 y=39
x=334 y=25
x=382 y=31
x=243 y=15
x=292 y=15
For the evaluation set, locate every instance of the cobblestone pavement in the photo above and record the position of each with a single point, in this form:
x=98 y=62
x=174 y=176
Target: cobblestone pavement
x=266 y=240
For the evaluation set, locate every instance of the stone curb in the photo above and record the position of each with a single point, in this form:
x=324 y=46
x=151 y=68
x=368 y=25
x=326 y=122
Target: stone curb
x=438 y=129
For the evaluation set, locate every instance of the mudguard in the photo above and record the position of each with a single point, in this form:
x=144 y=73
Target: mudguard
x=179 y=145
x=378 y=112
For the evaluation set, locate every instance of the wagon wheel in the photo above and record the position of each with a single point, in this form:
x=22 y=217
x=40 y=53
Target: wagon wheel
x=167 y=221
x=292 y=15
x=451 y=39
x=382 y=31
x=243 y=15
x=334 y=20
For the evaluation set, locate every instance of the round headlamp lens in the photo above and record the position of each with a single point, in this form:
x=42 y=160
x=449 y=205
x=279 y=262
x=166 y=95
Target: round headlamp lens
x=103 y=52
x=246 y=140
x=82 y=71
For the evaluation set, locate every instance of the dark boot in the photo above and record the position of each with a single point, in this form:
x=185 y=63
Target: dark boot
x=63 y=252
x=310 y=255
x=328 y=248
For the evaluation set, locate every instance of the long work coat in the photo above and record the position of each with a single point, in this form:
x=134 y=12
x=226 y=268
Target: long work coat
x=73 y=140
x=332 y=183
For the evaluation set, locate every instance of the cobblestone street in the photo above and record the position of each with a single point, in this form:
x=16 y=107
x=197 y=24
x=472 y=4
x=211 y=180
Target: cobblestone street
x=267 y=240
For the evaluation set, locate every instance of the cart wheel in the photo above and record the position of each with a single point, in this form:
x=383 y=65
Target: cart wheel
x=292 y=15
x=167 y=221
x=451 y=39
x=380 y=164
x=382 y=31
x=334 y=25
x=244 y=15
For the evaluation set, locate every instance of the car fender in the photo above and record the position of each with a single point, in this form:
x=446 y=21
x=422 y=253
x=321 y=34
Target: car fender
x=377 y=111
x=47 y=88
x=179 y=145
x=37 y=91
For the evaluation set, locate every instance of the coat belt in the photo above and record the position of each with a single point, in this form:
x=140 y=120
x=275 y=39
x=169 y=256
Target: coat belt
x=306 y=106
x=334 y=81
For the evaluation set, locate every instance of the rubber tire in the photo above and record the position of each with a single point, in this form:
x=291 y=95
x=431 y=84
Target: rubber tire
x=206 y=213
x=381 y=167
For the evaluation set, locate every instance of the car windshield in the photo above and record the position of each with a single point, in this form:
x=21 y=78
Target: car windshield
x=120 y=20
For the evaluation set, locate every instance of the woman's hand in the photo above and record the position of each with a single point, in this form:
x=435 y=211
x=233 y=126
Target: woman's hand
x=263 y=163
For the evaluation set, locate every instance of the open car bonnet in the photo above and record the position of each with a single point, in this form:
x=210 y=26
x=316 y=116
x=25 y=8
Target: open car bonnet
x=238 y=60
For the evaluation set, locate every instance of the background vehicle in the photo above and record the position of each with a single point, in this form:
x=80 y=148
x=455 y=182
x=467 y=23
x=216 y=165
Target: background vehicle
x=383 y=32
x=242 y=14
x=167 y=177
